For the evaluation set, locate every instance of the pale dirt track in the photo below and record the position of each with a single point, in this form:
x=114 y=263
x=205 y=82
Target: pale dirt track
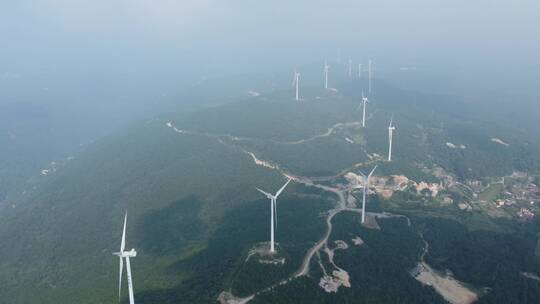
x=450 y=289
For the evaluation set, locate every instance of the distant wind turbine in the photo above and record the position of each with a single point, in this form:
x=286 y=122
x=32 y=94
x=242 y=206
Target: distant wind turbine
x=391 y=129
x=326 y=68
x=366 y=187
x=359 y=71
x=364 y=102
x=273 y=209
x=369 y=76
x=125 y=255
x=296 y=82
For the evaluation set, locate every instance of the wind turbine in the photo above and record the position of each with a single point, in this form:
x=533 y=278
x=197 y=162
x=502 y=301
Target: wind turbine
x=296 y=81
x=369 y=76
x=366 y=187
x=125 y=255
x=326 y=68
x=273 y=209
x=364 y=102
x=391 y=129
x=359 y=71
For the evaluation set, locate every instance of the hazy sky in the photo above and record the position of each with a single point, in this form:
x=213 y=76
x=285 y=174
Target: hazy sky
x=81 y=31
x=107 y=50
x=119 y=58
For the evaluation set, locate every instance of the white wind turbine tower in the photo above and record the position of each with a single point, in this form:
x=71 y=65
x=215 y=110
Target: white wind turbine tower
x=273 y=209
x=296 y=82
x=364 y=102
x=125 y=255
x=326 y=68
x=391 y=129
x=366 y=187
x=369 y=76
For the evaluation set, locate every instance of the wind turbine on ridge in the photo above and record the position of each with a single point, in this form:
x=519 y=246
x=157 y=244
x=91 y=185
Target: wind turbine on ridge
x=273 y=210
x=391 y=129
x=326 y=69
x=366 y=187
x=125 y=255
x=364 y=102
x=296 y=82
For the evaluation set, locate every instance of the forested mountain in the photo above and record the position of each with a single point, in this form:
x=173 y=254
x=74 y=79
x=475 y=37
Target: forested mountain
x=188 y=182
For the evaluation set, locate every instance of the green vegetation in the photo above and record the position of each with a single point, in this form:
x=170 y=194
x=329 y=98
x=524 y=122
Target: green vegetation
x=378 y=270
x=274 y=117
x=194 y=213
x=222 y=265
x=486 y=258
x=300 y=226
x=73 y=220
x=492 y=192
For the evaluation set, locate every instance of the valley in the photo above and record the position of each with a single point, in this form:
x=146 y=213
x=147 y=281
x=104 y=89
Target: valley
x=321 y=145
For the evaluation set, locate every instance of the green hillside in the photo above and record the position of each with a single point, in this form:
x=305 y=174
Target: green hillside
x=188 y=182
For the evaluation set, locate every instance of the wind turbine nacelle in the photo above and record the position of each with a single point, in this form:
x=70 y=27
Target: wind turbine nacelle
x=132 y=253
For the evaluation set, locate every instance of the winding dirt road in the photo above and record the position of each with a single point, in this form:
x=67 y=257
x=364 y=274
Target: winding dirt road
x=341 y=192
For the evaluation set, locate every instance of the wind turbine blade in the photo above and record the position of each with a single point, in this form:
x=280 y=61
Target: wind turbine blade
x=371 y=173
x=123 y=243
x=120 y=279
x=265 y=193
x=282 y=188
x=362 y=174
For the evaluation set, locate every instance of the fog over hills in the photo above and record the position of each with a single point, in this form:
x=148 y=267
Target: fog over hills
x=177 y=111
